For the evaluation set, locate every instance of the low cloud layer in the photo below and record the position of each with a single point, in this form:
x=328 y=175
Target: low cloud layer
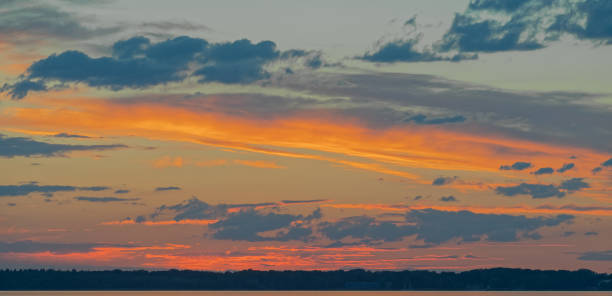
x=19 y=146
x=47 y=190
x=544 y=190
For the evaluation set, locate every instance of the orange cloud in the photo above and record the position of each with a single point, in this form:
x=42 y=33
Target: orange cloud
x=211 y=163
x=258 y=164
x=162 y=223
x=395 y=151
x=168 y=161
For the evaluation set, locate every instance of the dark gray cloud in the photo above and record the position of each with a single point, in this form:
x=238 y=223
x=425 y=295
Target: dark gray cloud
x=66 y=135
x=576 y=208
x=440 y=181
x=422 y=119
x=169 y=188
x=192 y=209
x=449 y=198
x=492 y=25
x=247 y=225
x=238 y=62
x=543 y=190
x=517 y=166
x=244 y=223
x=48 y=190
x=195 y=208
x=587 y=19
x=568 y=233
x=19 y=146
x=596 y=170
x=544 y=171
x=534 y=190
x=138 y=63
x=104 y=199
x=437 y=227
x=28 y=246
x=607 y=163
x=596 y=256
x=565 y=167
x=20 y=89
x=406 y=51
x=471 y=34
x=121 y=191
x=489 y=26
x=574 y=184
x=591 y=233
x=365 y=228
x=307 y=201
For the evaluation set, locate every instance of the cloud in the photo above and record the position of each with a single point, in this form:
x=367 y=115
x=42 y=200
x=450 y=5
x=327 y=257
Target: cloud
x=196 y=209
x=169 y=188
x=39 y=247
x=66 y=135
x=607 y=163
x=587 y=19
x=48 y=190
x=508 y=113
x=121 y=191
x=440 y=181
x=449 y=198
x=18 y=146
x=517 y=166
x=422 y=119
x=565 y=167
x=490 y=26
x=591 y=233
x=20 y=89
x=574 y=184
x=139 y=63
x=568 y=233
x=534 y=190
x=596 y=256
x=542 y=190
x=470 y=34
x=168 y=161
x=308 y=201
x=258 y=164
x=365 y=228
x=247 y=225
x=103 y=199
x=28 y=23
x=544 y=171
x=433 y=226
x=170 y=26
x=400 y=51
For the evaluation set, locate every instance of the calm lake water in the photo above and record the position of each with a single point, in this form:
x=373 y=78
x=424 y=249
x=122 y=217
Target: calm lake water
x=318 y=293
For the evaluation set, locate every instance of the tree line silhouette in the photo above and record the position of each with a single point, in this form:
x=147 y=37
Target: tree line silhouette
x=358 y=279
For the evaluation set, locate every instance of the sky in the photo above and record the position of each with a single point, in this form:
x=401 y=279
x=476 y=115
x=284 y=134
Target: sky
x=283 y=135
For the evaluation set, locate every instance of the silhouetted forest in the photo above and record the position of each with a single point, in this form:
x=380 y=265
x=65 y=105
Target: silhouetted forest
x=481 y=279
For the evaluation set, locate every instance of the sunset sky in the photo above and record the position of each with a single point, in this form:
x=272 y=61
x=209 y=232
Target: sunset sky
x=227 y=135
